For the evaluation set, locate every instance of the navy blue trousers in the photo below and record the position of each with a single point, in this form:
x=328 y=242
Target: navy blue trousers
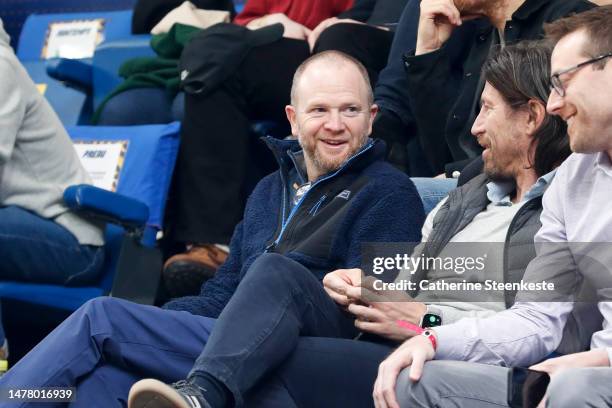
x=277 y=301
x=108 y=343
x=323 y=373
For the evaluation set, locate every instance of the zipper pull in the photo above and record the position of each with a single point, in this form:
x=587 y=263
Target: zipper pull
x=270 y=247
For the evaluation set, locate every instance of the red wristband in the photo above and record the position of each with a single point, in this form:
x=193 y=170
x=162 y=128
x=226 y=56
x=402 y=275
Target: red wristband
x=432 y=337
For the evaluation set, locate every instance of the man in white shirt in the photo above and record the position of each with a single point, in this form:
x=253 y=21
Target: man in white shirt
x=575 y=212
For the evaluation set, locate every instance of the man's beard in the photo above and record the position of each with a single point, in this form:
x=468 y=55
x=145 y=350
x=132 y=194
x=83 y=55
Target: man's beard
x=324 y=165
x=497 y=176
x=494 y=173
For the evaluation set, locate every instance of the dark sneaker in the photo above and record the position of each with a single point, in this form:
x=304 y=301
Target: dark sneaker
x=151 y=393
x=185 y=273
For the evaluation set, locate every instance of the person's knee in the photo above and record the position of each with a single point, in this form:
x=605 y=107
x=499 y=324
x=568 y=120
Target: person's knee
x=102 y=305
x=420 y=393
x=570 y=388
x=277 y=270
x=137 y=107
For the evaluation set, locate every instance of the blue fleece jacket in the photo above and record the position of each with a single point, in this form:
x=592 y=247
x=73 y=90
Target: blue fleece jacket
x=366 y=200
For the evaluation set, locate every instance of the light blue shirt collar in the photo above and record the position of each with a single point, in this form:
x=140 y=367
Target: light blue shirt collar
x=499 y=192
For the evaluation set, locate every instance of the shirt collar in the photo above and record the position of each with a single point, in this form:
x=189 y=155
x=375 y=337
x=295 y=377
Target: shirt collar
x=603 y=163
x=499 y=191
x=540 y=185
x=299 y=164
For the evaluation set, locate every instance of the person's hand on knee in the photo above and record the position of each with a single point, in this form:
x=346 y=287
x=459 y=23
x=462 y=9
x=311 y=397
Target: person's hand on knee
x=414 y=353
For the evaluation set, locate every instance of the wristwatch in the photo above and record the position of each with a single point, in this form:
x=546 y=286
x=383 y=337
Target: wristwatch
x=431 y=318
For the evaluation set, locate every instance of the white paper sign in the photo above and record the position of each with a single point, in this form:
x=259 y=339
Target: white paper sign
x=103 y=160
x=73 y=39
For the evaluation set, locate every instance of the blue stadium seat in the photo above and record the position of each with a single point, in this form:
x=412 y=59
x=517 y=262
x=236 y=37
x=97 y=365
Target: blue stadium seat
x=65 y=83
x=117 y=24
x=132 y=263
x=15 y=12
x=72 y=104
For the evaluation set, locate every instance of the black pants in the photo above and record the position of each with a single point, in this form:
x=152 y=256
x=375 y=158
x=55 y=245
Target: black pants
x=277 y=301
x=220 y=160
x=323 y=373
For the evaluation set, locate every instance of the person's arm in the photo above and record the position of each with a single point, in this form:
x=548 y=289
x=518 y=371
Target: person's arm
x=394 y=217
x=257 y=14
x=395 y=121
x=433 y=88
x=593 y=358
x=292 y=29
x=12 y=110
x=452 y=315
x=603 y=338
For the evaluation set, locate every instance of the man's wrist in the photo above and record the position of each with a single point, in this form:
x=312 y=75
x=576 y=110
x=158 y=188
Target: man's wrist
x=431 y=336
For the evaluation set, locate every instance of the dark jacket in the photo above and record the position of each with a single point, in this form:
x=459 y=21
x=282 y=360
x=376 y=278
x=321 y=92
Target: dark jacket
x=376 y=12
x=366 y=200
x=444 y=86
x=467 y=201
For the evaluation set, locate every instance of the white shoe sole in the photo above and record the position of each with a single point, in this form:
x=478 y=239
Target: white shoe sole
x=152 y=393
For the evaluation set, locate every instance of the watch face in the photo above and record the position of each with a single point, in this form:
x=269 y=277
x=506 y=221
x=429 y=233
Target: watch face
x=431 y=320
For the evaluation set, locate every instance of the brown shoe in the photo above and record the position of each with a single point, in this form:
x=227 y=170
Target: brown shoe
x=185 y=273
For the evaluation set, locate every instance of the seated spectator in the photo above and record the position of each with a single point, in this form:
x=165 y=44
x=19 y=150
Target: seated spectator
x=218 y=158
x=496 y=213
x=41 y=241
x=431 y=89
x=308 y=218
x=573 y=247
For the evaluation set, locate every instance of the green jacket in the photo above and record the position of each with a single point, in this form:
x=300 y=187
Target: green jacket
x=154 y=72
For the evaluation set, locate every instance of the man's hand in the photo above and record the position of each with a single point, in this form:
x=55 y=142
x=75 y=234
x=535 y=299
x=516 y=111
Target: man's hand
x=437 y=21
x=414 y=353
x=314 y=35
x=552 y=366
x=382 y=312
x=292 y=29
x=337 y=283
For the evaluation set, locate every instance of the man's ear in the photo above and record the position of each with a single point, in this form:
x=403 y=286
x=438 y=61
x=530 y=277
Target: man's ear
x=537 y=114
x=292 y=118
x=373 y=113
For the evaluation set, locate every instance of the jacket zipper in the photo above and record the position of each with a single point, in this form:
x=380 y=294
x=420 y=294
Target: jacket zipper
x=296 y=207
